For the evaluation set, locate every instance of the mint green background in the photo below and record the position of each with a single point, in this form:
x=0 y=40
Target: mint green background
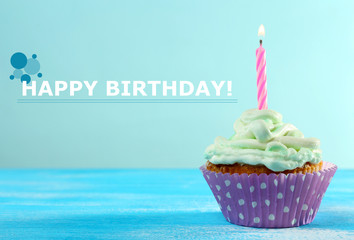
x=310 y=48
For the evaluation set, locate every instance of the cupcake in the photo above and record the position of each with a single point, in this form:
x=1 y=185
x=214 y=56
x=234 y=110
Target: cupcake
x=267 y=174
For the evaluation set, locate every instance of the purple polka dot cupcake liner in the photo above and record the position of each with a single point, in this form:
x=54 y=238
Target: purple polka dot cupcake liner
x=270 y=200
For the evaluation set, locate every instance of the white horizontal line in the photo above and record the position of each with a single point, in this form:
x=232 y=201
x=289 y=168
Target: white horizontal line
x=126 y=100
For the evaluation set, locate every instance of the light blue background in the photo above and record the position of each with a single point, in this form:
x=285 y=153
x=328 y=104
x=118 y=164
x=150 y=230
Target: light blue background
x=310 y=48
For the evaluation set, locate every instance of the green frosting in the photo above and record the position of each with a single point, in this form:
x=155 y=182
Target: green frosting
x=261 y=138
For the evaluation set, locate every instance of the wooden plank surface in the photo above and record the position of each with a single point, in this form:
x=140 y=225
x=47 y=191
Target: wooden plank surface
x=144 y=204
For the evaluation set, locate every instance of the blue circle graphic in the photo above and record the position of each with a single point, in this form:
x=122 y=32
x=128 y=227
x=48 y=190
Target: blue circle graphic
x=39 y=75
x=32 y=66
x=17 y=73
x=25 y=78
x=18 y=60
x=12 y=77
x=34 y=56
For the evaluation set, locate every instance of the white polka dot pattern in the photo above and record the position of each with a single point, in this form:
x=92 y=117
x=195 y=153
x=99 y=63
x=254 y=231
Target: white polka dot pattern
x=275 y=182
x=227 y=183
x=286 y=209
x=311 y=212
x=253 y=200
x=293 y=221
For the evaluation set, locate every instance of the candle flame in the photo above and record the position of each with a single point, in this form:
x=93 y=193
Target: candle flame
x=261 y=31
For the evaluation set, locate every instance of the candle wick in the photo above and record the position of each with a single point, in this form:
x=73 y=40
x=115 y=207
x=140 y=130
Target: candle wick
x=260 y=41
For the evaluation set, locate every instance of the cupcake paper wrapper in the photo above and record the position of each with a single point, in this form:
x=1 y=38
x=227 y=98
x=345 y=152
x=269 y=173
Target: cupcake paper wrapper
x=271 y=201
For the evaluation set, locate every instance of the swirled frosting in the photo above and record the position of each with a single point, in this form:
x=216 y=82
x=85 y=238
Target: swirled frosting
x=261 y=138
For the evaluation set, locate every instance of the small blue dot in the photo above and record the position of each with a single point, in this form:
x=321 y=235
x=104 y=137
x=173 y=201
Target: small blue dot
x=34 y=56
x=12 y=77
x=39 y=75
x=18 y=60
x=26 y=78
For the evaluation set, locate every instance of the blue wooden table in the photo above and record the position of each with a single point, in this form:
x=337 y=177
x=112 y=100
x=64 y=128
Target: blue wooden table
x=144 y=204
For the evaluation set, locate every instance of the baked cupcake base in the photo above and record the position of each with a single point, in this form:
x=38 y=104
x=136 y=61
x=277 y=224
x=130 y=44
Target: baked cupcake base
x=259 y=169
x=270 y=200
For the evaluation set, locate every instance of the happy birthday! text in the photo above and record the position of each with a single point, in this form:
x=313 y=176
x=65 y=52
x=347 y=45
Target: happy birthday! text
x=129 y=88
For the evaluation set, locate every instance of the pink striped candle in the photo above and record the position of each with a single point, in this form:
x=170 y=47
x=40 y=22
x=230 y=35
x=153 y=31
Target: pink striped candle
x=261 y=73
